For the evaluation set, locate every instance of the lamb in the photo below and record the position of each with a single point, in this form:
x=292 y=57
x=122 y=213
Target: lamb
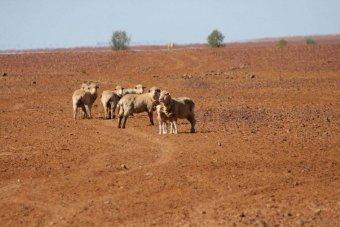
x=109 y=99
x=177 y=108
x=134 y=103
x=164 y=118
x=84 y=98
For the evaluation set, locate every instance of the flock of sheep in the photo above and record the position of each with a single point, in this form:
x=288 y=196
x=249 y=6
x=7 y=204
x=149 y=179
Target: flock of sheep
x=128 y=101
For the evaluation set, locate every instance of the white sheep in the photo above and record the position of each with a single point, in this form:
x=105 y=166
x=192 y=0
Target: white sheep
x=109 y=99
x=134 y=103
x=178 y=108
x=138 y=89
x=84 y=98
x=170 y=46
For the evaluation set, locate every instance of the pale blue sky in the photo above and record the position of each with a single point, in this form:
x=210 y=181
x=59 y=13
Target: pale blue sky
x=68 y=23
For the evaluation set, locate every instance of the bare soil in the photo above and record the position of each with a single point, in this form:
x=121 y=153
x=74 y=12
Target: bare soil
x=266 y=151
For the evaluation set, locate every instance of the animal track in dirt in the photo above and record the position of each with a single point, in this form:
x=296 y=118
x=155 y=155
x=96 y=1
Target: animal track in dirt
x=165 y=148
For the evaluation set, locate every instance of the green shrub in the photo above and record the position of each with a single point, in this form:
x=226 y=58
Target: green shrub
x=215 y=39
x=119 y=40
x=282 y=43
x=310 y=41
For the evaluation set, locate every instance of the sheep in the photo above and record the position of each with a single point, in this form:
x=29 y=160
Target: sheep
x=109 y=99
x=134 y=103
x=170 y=46
x=84 y=98
x=178 y=108
x=164 y=118
x=138 y=89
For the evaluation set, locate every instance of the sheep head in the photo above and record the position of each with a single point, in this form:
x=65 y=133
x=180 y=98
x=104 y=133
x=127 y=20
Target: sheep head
x=165 y=97
x=93 y=87
x=119 y=91
x=155 y=91
x=140 y=88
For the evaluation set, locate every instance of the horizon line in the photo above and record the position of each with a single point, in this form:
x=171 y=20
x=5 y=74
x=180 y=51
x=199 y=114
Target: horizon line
x=162 y=43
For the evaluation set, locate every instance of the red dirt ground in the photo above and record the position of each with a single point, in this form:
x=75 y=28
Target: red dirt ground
x=266 y=151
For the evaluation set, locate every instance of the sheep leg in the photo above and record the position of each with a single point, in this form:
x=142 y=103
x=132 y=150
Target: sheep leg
x=165 y=127
x=160 y=127
x=120 y=115
x=175 y=127
x=84 y=112
x=124 y=121
x=150 y=113
x=75 y=111
x=88 y=111
x=112 y=110
x=192 y=121
x=105 y=112
x=119 y=121
x=171 y=127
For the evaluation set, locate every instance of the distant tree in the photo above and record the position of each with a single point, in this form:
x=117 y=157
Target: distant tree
x=215 y=39
x=282 y=43
x=310 y=41
x=119 y=40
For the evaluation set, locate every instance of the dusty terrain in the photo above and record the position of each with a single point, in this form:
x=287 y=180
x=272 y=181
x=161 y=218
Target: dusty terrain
x=266 y=151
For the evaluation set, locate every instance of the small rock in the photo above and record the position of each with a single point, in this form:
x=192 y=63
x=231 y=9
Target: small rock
x=123 y=166
x=34 y=82
x=261 y=223
x=219 y=144
x=4 y=74
x=242 y=215
x=317 y=211
x=204 y=212
x=252 y=76
x=300 y=222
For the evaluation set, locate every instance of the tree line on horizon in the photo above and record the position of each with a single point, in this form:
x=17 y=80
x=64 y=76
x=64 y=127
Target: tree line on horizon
x=120 y=40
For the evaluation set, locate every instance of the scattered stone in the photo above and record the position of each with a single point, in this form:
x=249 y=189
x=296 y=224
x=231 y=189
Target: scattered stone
x=261 y=223
x=204 y=212
x=252 y=76
x=4 y=74
x=34 y=82
x=123 y=166
x=219 y=144
x=317 y=211
x=300 y=222
x=242 y=215
x=149 y=174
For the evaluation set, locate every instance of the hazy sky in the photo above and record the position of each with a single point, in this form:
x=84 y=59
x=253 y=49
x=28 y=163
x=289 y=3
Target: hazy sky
x=67 y=23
